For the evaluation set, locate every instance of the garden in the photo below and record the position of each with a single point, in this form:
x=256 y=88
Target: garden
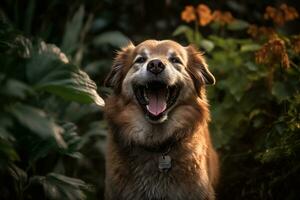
x=55 y=55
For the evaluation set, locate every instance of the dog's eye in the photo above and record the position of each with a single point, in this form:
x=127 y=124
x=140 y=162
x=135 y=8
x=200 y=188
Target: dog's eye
x=140 y=60
x=175 y=60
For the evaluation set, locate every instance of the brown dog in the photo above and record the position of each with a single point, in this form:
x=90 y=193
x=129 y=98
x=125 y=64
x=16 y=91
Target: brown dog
x=159 y=145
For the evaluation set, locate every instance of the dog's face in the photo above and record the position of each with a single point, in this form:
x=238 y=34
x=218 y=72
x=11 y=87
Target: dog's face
x=159 y=75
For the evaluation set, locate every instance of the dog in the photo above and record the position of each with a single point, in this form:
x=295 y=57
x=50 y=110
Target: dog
x=158 y=146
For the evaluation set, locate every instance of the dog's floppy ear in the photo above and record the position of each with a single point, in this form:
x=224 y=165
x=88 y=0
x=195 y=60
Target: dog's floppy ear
x=116 y=75
x=197 y=69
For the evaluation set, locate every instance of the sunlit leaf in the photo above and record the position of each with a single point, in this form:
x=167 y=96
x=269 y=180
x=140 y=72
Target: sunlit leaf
x=237 y=25
x=250 y=47
x=50 y=74
x=207 y=45
x=57 y=187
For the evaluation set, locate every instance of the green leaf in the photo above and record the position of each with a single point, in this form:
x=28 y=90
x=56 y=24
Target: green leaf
x=236 y=85
x=48 y=73
x=113 y=38
x=15 y=88
x=250 y=47
x=19 y=178
x=57 y=187
x=280 y=91
x=37 y=121
x=72 y=32
x=7 y=153
x=5 y=123
x=238 y=25
x=72 y=139
x=187 y=31
x=41 y=148
x=251 y=66
x=207 y=45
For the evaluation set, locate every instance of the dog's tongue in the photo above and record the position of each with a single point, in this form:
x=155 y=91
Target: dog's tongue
x=157 y=101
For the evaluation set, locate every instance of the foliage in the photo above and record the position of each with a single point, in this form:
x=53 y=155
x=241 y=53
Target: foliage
x=35 y=79
x=255 y=104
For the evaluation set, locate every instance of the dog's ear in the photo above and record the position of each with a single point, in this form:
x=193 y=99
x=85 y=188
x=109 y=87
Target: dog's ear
x=197 y=69
x=115 y=77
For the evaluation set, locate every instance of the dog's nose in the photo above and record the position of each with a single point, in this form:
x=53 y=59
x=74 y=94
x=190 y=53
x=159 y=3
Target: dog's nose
x=155 y=66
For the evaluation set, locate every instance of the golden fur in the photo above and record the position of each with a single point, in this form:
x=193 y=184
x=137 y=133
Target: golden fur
x=131 y=162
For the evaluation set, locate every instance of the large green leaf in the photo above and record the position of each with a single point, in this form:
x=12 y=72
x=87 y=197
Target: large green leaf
x=15 y=88
x=37 y=121
x=236 y=85
x=72 y=32
x=49 y=71
x=57 y=187
x=41 y=148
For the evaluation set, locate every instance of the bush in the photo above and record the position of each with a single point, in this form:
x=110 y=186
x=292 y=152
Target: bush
x=39 y=140
x=255 y=104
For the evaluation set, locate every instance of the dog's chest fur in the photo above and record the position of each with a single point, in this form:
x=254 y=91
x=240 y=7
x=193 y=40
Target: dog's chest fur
x=136 y=175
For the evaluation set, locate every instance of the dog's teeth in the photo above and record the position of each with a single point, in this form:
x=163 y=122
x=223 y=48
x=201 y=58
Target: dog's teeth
x=145 y=95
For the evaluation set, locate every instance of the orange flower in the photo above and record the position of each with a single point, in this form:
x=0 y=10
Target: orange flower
x=217 y=15
x=204 y=13
x=259 y=32
x=290 y=13
x=272 y=52
x=227 y=17
x=281 y=15
x=222 y=17
x=270 y=12
x=188 y=14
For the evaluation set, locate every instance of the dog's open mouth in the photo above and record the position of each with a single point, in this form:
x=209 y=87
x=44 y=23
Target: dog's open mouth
x=156 y=97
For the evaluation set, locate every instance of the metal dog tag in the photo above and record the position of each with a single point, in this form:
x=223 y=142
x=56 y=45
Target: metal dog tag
x=164 y=163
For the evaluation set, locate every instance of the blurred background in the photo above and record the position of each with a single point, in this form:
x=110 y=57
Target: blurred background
x=54 y=56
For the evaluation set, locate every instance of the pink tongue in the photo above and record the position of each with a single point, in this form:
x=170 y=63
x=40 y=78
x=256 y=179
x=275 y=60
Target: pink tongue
x=157 y=102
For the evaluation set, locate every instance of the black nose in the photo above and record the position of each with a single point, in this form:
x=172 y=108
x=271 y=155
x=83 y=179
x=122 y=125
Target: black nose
x=155 y=66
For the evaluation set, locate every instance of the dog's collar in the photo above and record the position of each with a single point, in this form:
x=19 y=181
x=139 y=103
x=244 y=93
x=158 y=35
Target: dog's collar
x=164 y=159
